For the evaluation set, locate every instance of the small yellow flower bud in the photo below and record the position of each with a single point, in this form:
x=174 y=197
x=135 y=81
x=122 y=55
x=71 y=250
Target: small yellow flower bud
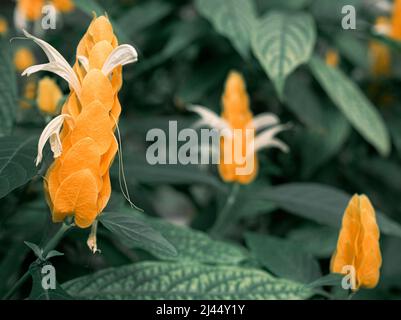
x=23 y=59
x=49 y=95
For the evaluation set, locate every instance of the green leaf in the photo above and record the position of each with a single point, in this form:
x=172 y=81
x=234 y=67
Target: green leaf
x=144 y=14
x=176 y=281
x=133 y=231
x=10 y=265
x=284 y=258
x=173 y=174
x=196 y=246
x=281 y=42
x=320 y=241
x=40 y=293
x=54 y=253
x=184 y=34
x=331 y=279
x=17 y=155
x=321 y=203
x=35 y=248
x=8 y=89
x=353 y=104
x=318 y=145
x=231 y=18
x=301 y=100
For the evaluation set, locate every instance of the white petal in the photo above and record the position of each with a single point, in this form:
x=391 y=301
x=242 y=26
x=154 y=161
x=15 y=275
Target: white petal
x=266 y=138
x=210 y=118
x=120 y=56
x=264 y=120
x=57 y=64
x=84 y=62
x=52 y=132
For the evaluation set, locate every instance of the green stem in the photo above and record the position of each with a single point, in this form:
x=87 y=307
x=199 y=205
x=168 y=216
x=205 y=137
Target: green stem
x=15 y=287
x=223 y=216
x=53 y=242
x=49 y=247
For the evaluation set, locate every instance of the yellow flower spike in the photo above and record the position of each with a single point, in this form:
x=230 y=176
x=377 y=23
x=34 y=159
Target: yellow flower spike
x=78 y=183
x=29 y=94
x=238 y=129
x=332 y=58
x=49 y=95
x=396 y=21
x=63 y=5
x=23 y=58
x=358 y=243
x=3 y=26
x=236 y=112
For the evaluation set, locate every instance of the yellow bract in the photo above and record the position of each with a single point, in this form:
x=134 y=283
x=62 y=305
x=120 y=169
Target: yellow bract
x=23 y=58
x=49 y=95
x=78 y=182
x=238 y=115
x=358 y=243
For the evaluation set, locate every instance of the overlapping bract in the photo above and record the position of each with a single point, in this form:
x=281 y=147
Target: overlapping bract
x=358 y=243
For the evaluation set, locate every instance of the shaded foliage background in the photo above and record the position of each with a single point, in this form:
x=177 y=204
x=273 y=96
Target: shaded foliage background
x=346 y=139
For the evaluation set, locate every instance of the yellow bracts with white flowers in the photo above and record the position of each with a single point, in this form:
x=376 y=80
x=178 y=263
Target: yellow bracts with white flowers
x=238 y=128
x=77 y=183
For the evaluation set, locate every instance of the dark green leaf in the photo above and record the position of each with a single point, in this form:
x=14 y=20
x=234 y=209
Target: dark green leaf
x=232 y=18
x=281 y=42
x=353 y=104
x=196 y=246
x=17 y=167
x=165 y=281
x=134 y=231
x=284 y=258
x=321 y=203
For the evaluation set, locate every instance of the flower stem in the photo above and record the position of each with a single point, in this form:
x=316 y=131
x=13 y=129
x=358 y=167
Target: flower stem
x=224 y=215
x=49 y=247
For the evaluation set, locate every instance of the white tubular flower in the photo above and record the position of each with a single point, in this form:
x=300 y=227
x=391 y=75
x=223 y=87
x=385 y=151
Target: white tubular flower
x=264 y=120
x=120 y=56
x=57 y=64
x=209 y=118
x=266 y=139
x=52 y=133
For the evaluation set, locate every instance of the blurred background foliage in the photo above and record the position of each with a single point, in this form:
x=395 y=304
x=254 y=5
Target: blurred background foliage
x=345 y=139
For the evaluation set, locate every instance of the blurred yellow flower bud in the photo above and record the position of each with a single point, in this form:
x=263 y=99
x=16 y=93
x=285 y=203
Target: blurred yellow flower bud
x=3 y=26
x=63 y=5
x=49 y=95
x=23 y=58
x=332 y=58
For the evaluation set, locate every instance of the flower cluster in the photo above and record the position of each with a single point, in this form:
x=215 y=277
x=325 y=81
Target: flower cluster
x=78 y=183
x=237 y=120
